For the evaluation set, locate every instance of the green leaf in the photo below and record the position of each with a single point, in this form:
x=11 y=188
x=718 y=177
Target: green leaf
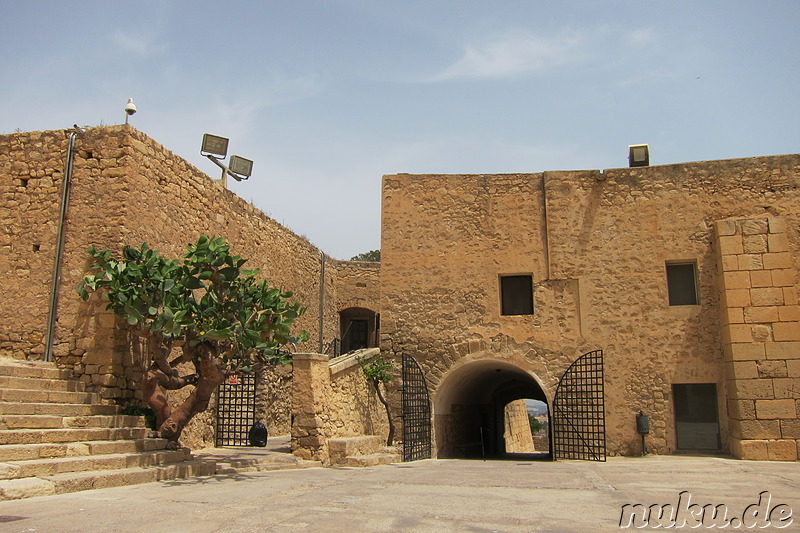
x=229 y=273
x=193 y=283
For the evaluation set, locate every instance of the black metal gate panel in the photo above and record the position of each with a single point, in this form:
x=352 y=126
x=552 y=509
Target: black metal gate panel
x=236 y=410
x=416 y=412
x=579 y=424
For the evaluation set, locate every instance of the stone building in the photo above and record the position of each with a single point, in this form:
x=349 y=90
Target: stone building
x=678 y=282
x=125 y=188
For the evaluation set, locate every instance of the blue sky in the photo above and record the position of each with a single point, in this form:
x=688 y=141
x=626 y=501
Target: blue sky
x=327 y=96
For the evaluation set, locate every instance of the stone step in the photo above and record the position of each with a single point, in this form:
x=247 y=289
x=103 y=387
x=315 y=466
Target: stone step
x=14 y=382
x=57 y=409
x=373 y=459
x=27 y=452
x=264 y=464
x=76 y=481
x=114 y=461
x=39 y=436
x=32 y=369
x=339 y=448
x=58 y=422
x=47 y=396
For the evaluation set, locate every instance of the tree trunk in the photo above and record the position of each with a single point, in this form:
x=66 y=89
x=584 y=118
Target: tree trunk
x=212 y=372
x=390 y=438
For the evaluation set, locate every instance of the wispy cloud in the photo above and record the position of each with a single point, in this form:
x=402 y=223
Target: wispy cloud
x=513 y=55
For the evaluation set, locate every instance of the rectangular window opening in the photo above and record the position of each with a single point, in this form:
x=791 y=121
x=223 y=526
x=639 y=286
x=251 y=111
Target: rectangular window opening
x=516 y=295
x=682 y=283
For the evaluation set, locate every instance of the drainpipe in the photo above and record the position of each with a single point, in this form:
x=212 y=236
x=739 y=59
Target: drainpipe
x=321 y=302
x=65 y=189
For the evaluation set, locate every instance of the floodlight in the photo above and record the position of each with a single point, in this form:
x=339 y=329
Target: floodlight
x=638 y=155
x=214 y=144
x=241 y=166
x=215 y=148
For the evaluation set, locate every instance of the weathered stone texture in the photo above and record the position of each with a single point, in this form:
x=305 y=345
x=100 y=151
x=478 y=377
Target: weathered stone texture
x=596 y=244
x=332 y=398
x=358 y=284
x=517 y=433
x=128 y=189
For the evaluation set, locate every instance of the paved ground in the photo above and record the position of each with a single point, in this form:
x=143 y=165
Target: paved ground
x=425 y=496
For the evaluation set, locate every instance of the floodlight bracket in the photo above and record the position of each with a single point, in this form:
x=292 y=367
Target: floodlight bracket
x=225 y=171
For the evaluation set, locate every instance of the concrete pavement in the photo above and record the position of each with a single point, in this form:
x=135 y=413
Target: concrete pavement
x=425 y=496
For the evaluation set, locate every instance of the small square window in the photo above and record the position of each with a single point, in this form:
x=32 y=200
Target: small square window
x=516 y=294
x=682 y=283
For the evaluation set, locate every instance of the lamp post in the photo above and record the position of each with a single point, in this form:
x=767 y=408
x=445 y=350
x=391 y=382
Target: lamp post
x=215 y=148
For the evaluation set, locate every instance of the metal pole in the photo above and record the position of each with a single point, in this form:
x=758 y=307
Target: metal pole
x=322 y=303
x=65 y=190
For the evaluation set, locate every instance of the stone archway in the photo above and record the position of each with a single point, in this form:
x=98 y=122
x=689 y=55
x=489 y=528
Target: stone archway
x=469 y=406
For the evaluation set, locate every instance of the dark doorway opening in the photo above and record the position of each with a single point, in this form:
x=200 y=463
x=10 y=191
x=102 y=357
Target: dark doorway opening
x=696 y=416
x=473 y=408
x=360 y=328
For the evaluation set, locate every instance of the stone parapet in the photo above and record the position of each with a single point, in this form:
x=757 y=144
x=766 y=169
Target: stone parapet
x=332 y=398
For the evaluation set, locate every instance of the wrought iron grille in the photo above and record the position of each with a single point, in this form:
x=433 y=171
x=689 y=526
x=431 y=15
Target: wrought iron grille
x=236 y=410
x=334 y=348
x=416 y=412
x=579 y=426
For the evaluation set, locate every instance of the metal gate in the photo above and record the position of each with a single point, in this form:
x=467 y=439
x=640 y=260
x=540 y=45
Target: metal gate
x=236 y=410
x=579 y=424
x=416 y=412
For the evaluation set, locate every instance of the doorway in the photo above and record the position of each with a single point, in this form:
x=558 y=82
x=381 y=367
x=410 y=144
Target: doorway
x=360 y=328
x=481 y=411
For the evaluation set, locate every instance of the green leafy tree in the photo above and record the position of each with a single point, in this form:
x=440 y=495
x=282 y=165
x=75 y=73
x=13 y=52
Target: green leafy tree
x=378 y=370
x=373 y=255
x=223 y=319
x=536 y=426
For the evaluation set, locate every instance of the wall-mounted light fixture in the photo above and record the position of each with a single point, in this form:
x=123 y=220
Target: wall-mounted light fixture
x=241 y=166
x=214 y=144
x=638 y=155
x=130 y=109
x=215 y=148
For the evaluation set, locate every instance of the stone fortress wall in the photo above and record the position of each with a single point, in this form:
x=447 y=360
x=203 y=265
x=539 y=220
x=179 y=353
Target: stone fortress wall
x=128 y=189
x=596 y=245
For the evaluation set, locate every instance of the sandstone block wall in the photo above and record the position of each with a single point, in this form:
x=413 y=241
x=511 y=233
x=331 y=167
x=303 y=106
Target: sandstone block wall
x=760 y=320
x=358 y=284
x=332 y=398
x=31 y=181
x=517 y=434
x=596 y=244
x=128 y=189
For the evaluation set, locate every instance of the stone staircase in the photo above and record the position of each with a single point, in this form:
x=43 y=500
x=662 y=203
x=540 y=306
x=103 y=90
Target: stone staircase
x=366 y=450
x=56 y=438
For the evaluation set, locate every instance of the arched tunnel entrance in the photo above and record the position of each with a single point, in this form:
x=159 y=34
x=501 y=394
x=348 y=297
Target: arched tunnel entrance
x=474 y=404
